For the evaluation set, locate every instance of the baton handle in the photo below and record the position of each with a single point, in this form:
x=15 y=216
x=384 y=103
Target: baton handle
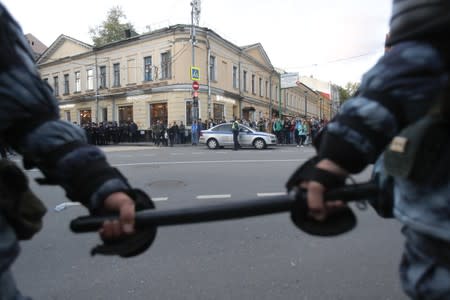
x=226 y=211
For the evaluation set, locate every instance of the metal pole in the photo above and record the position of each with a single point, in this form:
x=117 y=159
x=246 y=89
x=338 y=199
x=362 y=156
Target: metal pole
x=96 y=89
x=279 y=94
x=306 y=105
x=194 y=101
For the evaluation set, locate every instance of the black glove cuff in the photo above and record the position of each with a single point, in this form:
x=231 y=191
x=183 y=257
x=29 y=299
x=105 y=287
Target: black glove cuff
x=84 y=183
x=341 y=152
x=308 y=171
x=326 y=178
x=136 y=243
x=302 y=173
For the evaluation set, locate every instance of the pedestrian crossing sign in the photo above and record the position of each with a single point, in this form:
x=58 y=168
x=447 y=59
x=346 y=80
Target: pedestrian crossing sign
x=195 y=73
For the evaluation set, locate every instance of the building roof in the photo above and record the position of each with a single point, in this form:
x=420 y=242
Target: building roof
x=36 y=45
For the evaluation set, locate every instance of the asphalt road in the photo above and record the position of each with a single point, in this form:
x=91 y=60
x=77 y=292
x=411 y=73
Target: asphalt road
x=260 y=258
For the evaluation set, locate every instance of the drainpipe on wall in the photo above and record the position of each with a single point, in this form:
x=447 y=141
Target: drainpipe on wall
x=208 y=64
x=240 y=90
x=96 y=89
x=270 y=97
x=279 y=93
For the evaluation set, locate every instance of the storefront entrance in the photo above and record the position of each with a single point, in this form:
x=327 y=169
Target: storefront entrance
x=125 y=114
x=85 y=116
x=158 y=111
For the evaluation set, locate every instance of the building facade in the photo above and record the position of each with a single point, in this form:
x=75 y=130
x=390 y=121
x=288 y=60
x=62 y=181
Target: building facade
x=305 y=99
x=148 y=77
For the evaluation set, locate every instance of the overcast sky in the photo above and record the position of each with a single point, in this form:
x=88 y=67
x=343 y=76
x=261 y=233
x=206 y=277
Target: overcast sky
x=332 y=40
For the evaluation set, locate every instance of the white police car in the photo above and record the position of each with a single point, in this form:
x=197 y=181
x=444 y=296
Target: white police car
x=222 y=136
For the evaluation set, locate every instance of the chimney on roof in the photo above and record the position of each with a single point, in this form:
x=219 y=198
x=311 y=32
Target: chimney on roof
x=127 y=33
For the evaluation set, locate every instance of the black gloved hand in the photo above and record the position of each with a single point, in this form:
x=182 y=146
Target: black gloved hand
x=136 y=243
x=340 y=221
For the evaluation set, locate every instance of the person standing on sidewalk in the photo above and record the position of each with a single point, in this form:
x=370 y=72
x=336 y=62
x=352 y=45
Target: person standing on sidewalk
x=235 y=129
x=194 y=133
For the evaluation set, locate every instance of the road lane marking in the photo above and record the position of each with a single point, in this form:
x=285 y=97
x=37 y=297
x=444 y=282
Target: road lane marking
x=209 y=162
x=160 y=198
x=213 y=196
x=270 y=194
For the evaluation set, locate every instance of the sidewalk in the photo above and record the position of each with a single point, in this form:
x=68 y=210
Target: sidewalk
x=151 y=144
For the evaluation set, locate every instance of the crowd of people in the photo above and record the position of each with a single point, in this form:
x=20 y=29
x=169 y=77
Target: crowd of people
x=289 y=130
x=105 y=133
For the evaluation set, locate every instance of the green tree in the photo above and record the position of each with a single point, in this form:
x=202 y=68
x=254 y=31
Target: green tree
x=348 y=91
x=112 y=29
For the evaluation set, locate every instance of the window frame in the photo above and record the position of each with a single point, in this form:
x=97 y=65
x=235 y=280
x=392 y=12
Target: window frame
x=212 y=68
x=253 y=84
x=244 y=80
x=166 y=65
x=66 y=84
x=55 y=86
x=235 y=77
x=90 y=79
x=148 y=75
x=77 y=81
x=116 y=74
x=102 y=77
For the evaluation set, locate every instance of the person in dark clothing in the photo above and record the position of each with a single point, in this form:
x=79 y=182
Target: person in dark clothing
x=133 y=131
x=235 y=129
x=172 y=132
x=399 y=121
x=182 y=133
x=30 y=124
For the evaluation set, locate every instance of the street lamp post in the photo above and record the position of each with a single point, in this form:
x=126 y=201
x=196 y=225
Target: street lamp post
x=195 y=15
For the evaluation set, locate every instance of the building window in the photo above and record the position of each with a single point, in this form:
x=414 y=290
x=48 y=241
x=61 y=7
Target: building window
x=235 y=77
x=55 y=86
x=267 y=89
x=189 y=113
x=77 y=82
x=148 y=68
x=212 y=68
x=277 y=96
x=253 y=84
x=66 y=84
x=131 y=71
x=219 y=112
x=46 y=80
x=166 y=65
x=260 y=87
x=104 y=114
x=244 y=80
x=90 y=79
x=116 y=70
x=67 y=114
x=102 y=76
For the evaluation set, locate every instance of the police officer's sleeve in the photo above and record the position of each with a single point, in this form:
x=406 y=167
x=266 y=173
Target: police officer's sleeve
x=29 y=122
x=397 y=91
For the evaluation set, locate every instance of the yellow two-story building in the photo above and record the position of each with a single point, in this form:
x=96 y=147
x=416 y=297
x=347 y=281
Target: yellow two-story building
x=148 y=77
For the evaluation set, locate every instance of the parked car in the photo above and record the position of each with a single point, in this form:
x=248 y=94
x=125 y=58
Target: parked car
x=221 y=136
